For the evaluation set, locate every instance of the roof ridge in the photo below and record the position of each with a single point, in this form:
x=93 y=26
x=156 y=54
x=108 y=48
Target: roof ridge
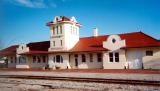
x=149 y=36
x=37 y=42
x=110 y=34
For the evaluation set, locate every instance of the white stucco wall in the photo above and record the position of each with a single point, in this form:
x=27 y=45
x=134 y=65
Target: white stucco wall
x=22 y=48
x=114 y=65
x=69 y=36
x=11 y=65
x=149 y=62
x=36 y=64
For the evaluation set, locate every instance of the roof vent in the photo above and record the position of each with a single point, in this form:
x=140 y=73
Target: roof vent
x=95 y=32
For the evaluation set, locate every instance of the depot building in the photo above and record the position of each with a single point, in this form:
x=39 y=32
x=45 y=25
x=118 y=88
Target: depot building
x=67 y=50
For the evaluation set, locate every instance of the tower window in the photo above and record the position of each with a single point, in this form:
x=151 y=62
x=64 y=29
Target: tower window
x=57 y=30
x=61 y=43
x=61 y=29
x=53 y=31
x=54 y=43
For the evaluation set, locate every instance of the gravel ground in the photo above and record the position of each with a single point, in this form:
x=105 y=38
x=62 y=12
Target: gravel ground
x=152 y=77
x=10 y=84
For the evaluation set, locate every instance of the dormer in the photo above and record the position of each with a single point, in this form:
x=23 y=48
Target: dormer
x=114 y=42
x=22 y=48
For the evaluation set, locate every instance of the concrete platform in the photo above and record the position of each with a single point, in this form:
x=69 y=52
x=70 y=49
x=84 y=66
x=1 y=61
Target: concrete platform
x=86 y=74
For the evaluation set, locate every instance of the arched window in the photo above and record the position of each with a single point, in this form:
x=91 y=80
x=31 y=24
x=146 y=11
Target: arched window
x=61 y=59
x=22 y=59
x=58 y=59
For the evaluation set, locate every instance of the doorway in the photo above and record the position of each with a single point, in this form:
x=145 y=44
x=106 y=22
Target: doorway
x=76 y=62
x=135 y=59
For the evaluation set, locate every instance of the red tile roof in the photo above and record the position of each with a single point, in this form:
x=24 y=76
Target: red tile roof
x=64 y=18
x=91 y=44
x=39 y=46
x=139 y=39
x=34 y=52
x=133 y=40
x=9 y=50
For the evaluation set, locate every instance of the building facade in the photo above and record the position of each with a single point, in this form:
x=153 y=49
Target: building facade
x=66 y=50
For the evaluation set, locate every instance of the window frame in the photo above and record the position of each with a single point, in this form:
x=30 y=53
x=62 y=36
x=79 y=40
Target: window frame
x=38 y=59
x=34 y=59
x=83 y=58
x=99 y=57
x=44 y=59
x=22 y=60
x=115 y=58
x=149 y=53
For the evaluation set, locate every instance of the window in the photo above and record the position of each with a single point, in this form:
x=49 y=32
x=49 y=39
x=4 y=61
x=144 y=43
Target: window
x=44 y=59
x=76 y=55
x=54 y=59
x=59 y=59
x=39 y=59
x=34 y=59
x=149 y=53
x=113 y=40
x=22 y=59
x=91 y=57
x=83 y=58
x=11 y=59
x=57 y=30
x=111 y=57
x=99 y=57
x=54 y=43
x=57 y=19
x=61 y=29
x=61 y=43
x=15 y=59
x=116 y=57
x=53 y=30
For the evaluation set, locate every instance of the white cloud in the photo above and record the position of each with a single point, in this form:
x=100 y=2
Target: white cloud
x=31 y=3
x=36 y=3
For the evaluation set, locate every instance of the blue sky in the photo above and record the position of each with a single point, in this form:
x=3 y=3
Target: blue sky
x=24 y=21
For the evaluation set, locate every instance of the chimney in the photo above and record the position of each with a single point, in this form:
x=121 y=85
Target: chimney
x=95 y=32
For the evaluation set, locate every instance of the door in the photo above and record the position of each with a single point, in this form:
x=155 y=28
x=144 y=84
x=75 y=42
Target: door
x=134 y=59
x=76 y=62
